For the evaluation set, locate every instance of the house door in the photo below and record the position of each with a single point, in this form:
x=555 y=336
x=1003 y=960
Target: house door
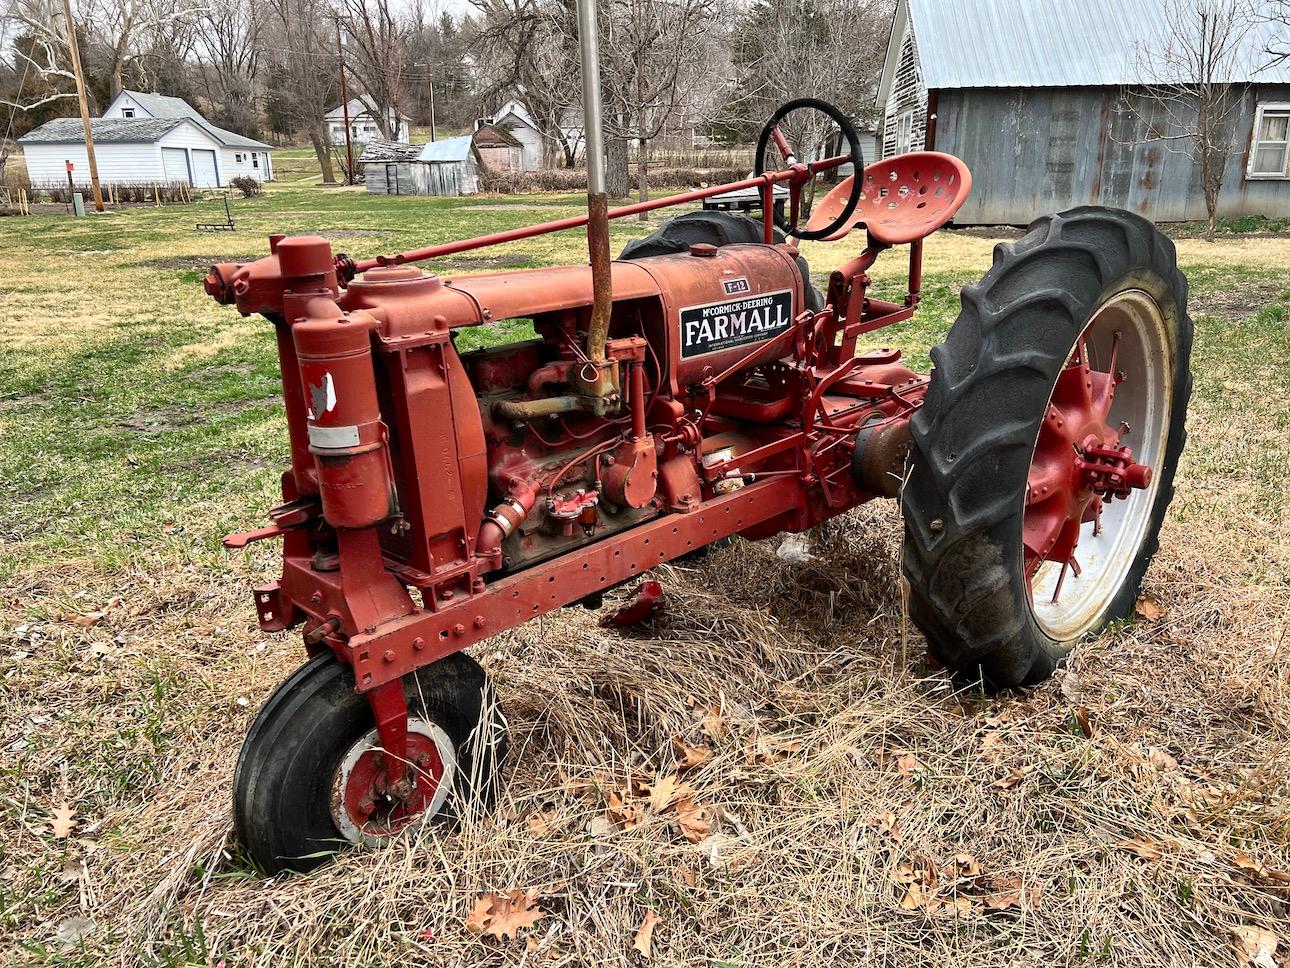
x=205 y=173
x=174 y=162
x=391 y=179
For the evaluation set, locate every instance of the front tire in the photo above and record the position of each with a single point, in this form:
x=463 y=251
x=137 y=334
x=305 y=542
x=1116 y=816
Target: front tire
x=314 y=738
x=1007 y=489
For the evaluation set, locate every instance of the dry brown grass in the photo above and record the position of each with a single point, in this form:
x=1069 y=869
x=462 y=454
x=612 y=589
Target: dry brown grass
x=842 y=768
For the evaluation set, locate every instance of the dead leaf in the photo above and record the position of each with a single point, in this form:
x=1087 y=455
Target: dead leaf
x=622 y=812
x=542 y=821
x=1149 y=609
x=1002 y=893
x=1144 y=847
x=1160 y=759
x=714 y=724
x=1256 y=946
x=909 y=764
x=477 y=919
x=1083 y=721
x=644 y=942
x=966 y=865
x=73 y=931
x=502 y=915
x=686 y=876
x=688 y=757
x=666 y=791
x=916 y=896
x=887 y=825
x=1010 y=781
x=85 y=620
x=62 y=822
x=694 y=820
x=1245 y=863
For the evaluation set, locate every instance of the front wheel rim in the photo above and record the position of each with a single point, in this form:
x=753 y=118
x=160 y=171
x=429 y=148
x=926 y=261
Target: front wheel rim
x=364 y=811
x=1095 y=469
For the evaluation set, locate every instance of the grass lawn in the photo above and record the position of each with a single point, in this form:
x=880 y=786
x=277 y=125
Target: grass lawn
x=141 y=422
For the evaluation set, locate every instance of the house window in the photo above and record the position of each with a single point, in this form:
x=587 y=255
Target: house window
x=255 y=160
x=237 y=157
x=1270 y=153
x=904 y=132
x=127 y=112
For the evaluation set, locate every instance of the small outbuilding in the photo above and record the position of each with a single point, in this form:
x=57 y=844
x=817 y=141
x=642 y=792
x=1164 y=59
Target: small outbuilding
x=498 y=149
x=449 y=167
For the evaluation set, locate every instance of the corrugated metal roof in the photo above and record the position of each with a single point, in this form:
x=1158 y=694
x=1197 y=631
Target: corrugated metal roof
x=1060 y=43
x=107 y=131
x=450 y=149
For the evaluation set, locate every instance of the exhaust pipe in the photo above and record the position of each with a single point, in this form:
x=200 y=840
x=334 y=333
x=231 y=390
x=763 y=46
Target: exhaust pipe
x=597 y=200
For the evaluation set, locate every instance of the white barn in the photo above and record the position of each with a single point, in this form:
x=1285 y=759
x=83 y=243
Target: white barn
x=238 y=154
x=144 y=138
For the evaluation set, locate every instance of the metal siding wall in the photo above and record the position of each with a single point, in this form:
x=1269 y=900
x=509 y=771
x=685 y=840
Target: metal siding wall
x=1042 y=150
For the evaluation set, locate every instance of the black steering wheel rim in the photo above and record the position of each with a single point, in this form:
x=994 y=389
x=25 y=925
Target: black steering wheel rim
x=857 y=160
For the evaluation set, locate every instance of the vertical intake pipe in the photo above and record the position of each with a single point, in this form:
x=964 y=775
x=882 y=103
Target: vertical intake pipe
x=597 y=200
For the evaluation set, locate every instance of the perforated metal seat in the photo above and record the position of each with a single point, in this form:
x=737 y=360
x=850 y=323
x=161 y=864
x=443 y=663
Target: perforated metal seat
x=905 y=197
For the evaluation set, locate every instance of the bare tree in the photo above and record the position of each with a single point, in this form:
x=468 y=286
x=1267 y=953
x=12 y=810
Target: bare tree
x=303 y=73
x=376 y=54
x=228 y=52
x=1197 y=80
x=653 y=55
x=784 y=49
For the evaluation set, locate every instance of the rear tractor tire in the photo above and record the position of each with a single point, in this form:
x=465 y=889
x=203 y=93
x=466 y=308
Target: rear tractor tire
x=1044 y=454
x=308 y=781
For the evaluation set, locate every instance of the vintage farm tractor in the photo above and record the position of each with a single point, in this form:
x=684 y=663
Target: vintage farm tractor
x=701 y=389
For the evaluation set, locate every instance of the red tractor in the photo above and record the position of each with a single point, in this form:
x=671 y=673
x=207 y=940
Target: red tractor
x=703 y=389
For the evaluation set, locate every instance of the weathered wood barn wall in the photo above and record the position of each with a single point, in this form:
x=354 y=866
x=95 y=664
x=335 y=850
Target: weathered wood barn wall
x=1031 y=94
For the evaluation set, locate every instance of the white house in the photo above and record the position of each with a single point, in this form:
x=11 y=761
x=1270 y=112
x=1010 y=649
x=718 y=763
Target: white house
x=238 y=154
x=362 y=123
x=514 y=119
x=144 y=138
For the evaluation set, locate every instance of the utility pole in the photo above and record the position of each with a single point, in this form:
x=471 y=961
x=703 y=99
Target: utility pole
x=344 y=102
x=85 y=110
x=432 y=137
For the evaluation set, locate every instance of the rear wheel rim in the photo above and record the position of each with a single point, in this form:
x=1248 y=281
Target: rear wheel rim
x=1114 y=392
x=364 y=811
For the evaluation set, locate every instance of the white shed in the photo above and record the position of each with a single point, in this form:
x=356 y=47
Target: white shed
x=128 y=151
x=238 y=154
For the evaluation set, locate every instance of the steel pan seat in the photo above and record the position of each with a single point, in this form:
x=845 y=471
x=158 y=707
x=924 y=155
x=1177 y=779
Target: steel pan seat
x=904 y=198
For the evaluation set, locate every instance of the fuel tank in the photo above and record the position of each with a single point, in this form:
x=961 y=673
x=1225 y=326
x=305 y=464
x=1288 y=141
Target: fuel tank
x=722 y=303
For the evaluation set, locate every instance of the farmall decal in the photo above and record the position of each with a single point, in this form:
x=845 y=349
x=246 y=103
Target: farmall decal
x=720 y=326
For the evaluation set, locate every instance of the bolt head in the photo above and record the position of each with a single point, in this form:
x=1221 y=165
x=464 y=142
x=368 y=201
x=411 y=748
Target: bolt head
x=418 y=643
x=389 y=655
x=459 y=629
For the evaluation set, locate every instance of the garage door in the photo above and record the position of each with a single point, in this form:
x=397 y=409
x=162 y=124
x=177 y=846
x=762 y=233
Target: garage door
x=205 y=174
x=175 y=162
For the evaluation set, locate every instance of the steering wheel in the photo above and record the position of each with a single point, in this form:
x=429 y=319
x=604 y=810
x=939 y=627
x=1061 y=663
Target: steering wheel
x=771 y=132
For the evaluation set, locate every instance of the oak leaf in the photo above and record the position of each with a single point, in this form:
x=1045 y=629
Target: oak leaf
x=644 y=942
x=62 y=822
x=1144 y=847
x=1256 y=946
x=503 y=915
x=666 y=791
x=541 y=822
x=622 y=812
x=694 y=820
x=1001 y=892
x=1149 y=609
x=688 y=757
x=909 y=764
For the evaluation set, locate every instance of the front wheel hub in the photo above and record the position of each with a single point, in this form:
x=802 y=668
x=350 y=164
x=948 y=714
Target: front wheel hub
x=375 y=798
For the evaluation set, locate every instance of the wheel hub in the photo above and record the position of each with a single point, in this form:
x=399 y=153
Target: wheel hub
x=374 y=797
x=1081 y=465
